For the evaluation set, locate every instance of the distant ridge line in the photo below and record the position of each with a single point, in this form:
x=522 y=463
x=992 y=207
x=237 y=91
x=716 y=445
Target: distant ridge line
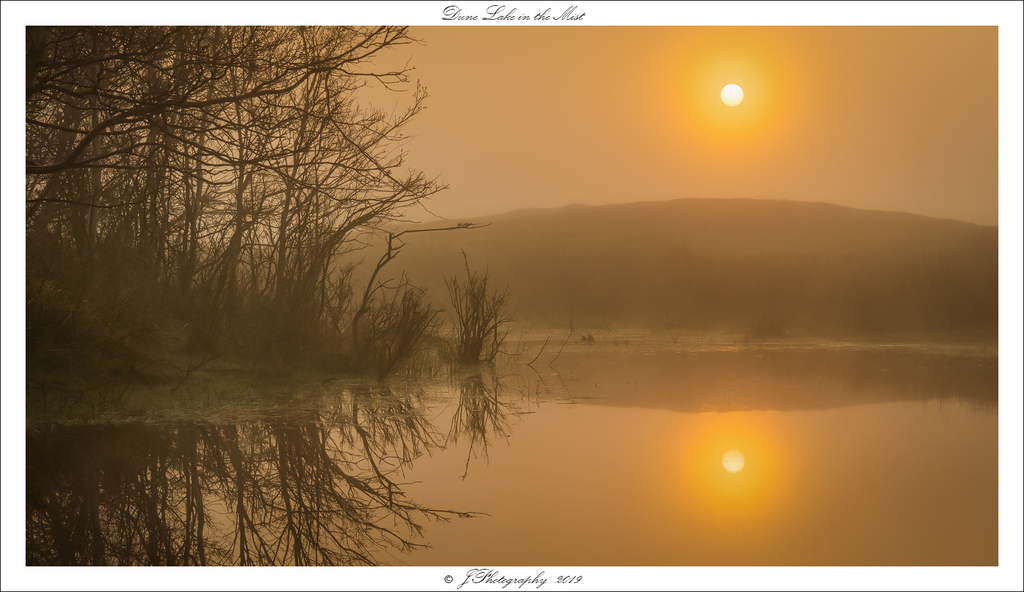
x=528 y=211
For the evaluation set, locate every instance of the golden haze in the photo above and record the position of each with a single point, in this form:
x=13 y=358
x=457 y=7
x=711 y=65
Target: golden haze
x=889 y=118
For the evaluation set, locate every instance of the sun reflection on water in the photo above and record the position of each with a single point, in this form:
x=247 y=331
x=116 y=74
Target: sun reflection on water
x=734 y=472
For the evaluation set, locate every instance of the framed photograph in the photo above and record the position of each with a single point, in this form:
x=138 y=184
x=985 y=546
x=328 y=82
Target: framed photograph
x=525 y=295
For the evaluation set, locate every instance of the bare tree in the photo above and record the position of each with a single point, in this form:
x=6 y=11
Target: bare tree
x=481 y=317
x=215 y=175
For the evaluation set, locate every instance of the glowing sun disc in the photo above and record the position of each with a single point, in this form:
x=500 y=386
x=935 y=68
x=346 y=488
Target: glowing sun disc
x=732 y=95
x=733 y=461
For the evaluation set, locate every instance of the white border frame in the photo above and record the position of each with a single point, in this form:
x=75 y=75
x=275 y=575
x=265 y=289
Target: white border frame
x=1008 y=16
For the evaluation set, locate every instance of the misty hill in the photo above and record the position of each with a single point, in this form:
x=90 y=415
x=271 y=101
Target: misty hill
x=765 y=268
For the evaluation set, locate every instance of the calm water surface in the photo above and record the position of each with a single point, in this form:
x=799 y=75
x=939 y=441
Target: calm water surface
x=852 y=455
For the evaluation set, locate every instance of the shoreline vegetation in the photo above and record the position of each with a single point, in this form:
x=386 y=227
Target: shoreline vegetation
x=195 y=197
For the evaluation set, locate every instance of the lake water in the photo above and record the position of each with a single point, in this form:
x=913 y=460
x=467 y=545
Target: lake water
x=852 y=454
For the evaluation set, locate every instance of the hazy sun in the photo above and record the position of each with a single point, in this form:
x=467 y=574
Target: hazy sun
x=733 y=460
x=732 y=95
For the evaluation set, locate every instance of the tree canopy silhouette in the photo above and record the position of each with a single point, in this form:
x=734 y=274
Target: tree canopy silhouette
x=217 y=175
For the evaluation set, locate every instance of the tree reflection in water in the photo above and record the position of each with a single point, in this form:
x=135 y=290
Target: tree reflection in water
x=483 y=409
x=319 y=490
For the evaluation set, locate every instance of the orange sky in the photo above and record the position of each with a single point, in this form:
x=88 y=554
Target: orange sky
x=889 y=118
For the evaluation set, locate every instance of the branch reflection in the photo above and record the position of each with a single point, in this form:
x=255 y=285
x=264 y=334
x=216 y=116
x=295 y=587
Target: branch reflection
x=320 y=490
x=482 y=413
